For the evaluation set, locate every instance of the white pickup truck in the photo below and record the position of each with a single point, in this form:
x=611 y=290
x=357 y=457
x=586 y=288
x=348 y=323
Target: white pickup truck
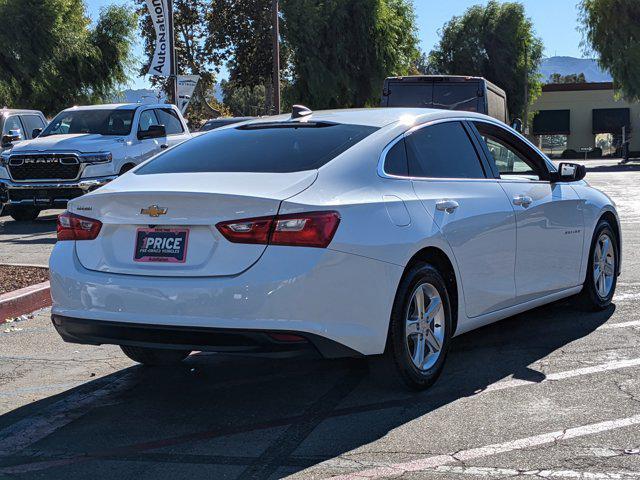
x=82 y=149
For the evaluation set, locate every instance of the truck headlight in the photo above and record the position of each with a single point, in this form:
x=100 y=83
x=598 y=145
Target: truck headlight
x=4 y=159
x=100 y=157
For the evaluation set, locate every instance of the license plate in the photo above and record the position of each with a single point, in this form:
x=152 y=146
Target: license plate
x=167 y=245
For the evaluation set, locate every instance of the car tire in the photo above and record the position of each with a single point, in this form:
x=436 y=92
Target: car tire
x=597 y=292
x=155 y=357
x=23 y=214
x=407 y=329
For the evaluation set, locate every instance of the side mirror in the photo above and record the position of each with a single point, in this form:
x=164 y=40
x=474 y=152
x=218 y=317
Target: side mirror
x=154 y=131
x=9 y=138
x=570 y=172
x=36 y=132
x=517 y=125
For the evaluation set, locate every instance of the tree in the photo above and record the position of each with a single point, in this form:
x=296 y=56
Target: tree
x=612 y=29
x=571 y=78
x=496 y=42
x=193 y=58
x=52 y=57
x=240 y=33
x=341 y=50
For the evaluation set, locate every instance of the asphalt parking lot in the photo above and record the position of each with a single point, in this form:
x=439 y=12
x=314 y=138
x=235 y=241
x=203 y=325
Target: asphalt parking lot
x=553 y=393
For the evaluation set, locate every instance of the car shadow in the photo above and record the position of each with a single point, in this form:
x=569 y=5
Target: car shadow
x=627 y=167
x=251 y=417
x=36 y=232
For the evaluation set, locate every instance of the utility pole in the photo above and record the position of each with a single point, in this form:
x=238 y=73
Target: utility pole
x=526 y=89
x=276 y=57
x=173 y=76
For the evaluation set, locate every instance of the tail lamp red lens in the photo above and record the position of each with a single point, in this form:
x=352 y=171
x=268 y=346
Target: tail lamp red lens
x=310 y=229
x=76 y=227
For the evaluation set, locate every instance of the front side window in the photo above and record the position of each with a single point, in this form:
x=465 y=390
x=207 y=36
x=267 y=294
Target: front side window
x=170 y=120
x=32 y=122
x=443 y=150
x=147 y=118
x=501 y=146
x=275 y=147
x=100 y=122
x=13 y=123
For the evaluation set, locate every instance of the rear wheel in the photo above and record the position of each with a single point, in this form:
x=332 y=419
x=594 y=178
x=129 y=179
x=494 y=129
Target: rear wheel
x=23 y=214
x=602 y=269
x=155 y=356
x=420 y=329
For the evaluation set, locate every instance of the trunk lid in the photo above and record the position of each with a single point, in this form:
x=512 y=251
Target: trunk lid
x=193 y=201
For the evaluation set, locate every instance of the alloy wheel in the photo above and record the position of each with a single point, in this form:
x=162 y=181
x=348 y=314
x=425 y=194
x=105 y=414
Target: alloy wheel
x=425 y=326
x=604 y=265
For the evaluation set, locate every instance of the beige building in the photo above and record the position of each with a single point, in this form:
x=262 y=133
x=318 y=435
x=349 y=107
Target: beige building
x=582 y=111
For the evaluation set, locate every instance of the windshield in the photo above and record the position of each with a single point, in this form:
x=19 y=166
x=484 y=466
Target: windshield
x=101 y=122
x=276 y=147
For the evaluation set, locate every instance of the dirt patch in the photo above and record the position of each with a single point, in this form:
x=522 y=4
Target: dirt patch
x=13 y=278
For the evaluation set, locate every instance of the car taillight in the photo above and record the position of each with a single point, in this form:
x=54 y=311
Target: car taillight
x=76 y=227
x=310 y=229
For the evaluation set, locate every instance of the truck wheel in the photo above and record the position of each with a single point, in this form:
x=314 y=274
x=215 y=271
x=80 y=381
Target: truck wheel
x=23 y=214
x=125 y=168
x=155 y=356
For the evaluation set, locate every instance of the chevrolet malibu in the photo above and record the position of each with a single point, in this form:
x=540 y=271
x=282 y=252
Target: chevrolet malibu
x=377 y=232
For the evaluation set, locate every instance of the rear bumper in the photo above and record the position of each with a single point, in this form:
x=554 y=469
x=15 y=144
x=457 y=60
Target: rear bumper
x=48 y=194
x=93 y=332
x=341 y=297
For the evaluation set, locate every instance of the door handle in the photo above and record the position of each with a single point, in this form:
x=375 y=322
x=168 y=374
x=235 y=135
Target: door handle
x=522 y=200
x=447 y=205
x=163 y=146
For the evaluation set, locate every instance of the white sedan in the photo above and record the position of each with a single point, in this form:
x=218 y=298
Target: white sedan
x=351 y=233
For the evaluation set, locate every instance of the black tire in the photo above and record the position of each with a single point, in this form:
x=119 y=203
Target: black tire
x=155 y=356
x=125 y=168
x=396 y=360
x=23 y=214
x=589 y=298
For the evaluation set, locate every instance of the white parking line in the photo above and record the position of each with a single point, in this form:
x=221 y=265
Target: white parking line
x=605 y=367
x=607 y=326
x=511 y=472
x=432 y=462
x=34 y=428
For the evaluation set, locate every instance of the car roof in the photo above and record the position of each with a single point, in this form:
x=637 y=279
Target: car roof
x=380 y=117
x=118 y=106
x=6 y=111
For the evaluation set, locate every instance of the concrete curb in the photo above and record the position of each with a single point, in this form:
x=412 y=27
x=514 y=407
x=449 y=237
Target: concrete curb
x=24 y=300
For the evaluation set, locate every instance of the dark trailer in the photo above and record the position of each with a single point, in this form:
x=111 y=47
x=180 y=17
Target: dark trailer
x=449 y=92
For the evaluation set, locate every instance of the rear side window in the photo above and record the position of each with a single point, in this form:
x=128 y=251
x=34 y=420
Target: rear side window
x=443 y=150
x=457 y=96
x=395 y=163
x=410 y=95
x=281 y=147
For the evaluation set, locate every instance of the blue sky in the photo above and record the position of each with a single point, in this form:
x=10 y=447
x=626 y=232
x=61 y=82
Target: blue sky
x=555 y=21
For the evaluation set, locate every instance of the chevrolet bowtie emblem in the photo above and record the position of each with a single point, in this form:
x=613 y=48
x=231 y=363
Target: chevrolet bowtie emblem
x=154 y=211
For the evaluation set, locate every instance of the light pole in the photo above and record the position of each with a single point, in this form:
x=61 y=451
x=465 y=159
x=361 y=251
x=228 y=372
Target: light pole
x=173 y=76
x=276 y=57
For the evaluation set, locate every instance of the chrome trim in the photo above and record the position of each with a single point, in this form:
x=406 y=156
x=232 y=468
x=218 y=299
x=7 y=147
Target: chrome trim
x=86 y=185
x=383 y=156
x=88 y=182
x=60 y=155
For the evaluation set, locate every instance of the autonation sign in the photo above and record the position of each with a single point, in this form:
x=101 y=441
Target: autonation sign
x=161 y=63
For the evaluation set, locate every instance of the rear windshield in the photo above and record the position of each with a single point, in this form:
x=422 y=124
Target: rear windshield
x=281 y=147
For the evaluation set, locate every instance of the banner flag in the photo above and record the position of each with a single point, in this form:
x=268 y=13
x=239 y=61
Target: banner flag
x=186 y=86
x=161 y=63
